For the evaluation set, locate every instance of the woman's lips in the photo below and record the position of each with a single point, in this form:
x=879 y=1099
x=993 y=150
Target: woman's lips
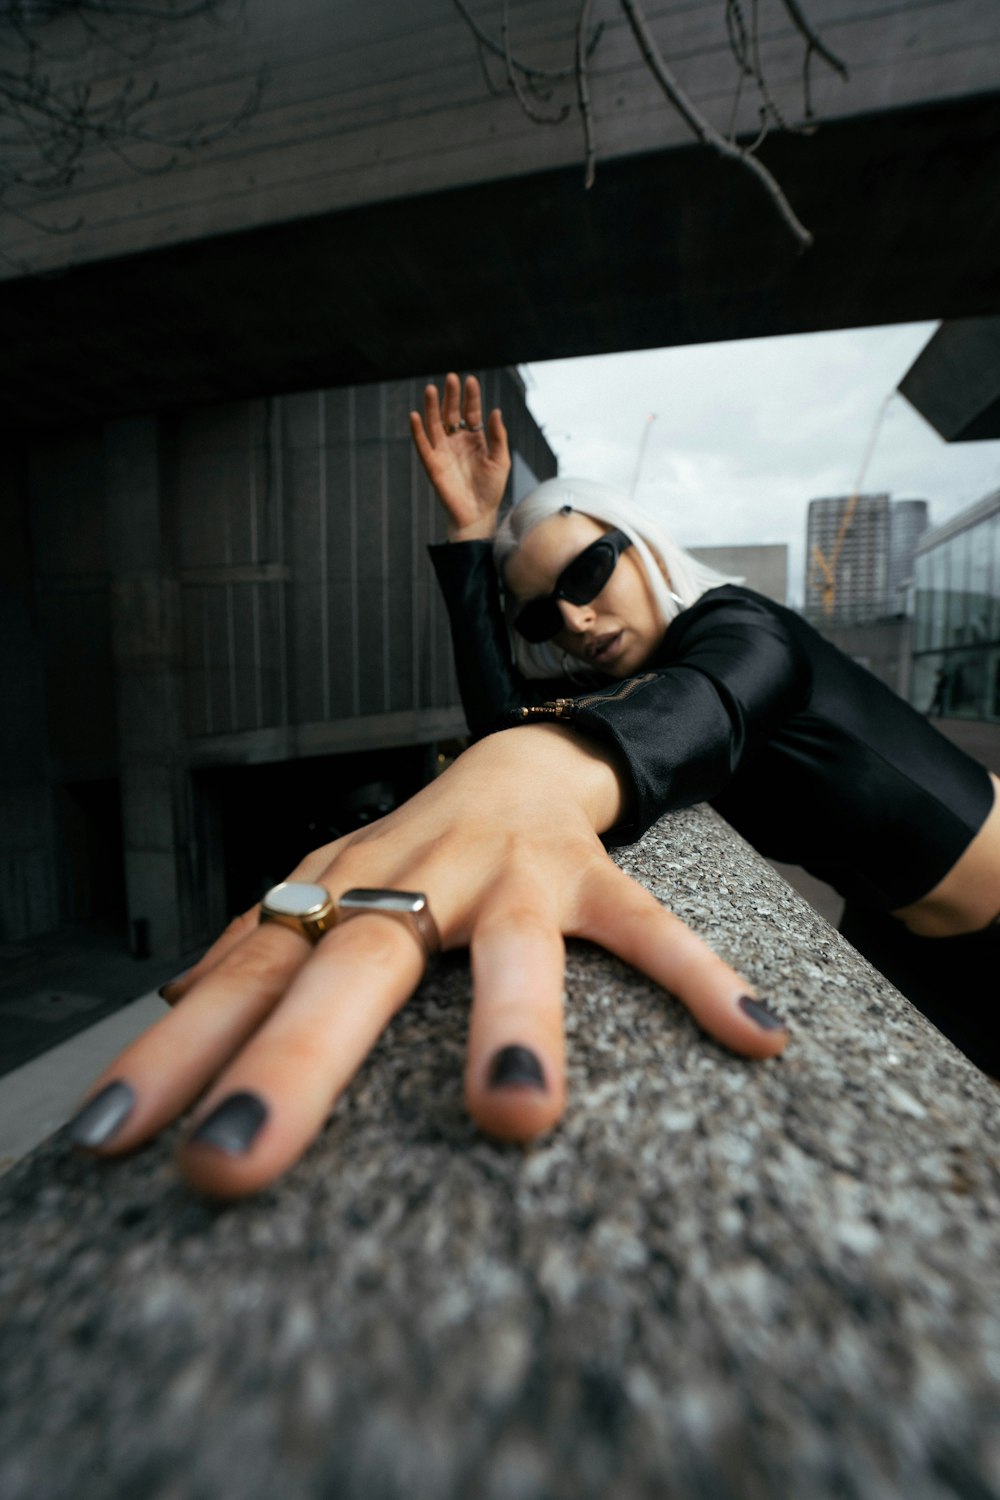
x=606 y=647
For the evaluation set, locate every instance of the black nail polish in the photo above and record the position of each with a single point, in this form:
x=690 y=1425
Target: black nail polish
x=517 y=1067
x=767 y=1020
x=233 y=1125
x=169 y=983
x=103 y=1116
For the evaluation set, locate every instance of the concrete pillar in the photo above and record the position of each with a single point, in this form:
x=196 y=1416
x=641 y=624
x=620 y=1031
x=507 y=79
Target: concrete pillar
x=145 y=634
x=29 y=894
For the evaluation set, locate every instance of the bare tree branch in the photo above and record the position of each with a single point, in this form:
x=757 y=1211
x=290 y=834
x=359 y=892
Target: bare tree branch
x=523 y=79
x=701 y=127
x=498 y=50
x=814 y=42
x=47 y=127
x=583 y=94
x=771 y=110
x=512 y=79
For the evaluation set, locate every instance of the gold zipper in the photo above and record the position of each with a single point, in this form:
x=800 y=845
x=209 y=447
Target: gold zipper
x=562 y=708
x=558 y=708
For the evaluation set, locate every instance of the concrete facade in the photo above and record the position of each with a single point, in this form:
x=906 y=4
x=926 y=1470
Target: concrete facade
x=194 y=603
x=954 y=383
x=764 y=568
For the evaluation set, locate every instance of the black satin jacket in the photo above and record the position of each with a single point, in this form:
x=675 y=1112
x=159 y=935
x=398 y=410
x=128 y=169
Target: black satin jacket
x=744 y=705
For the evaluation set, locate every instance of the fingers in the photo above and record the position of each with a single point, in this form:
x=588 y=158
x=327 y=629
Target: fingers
x=165 y=1070
x=310 y=868
x=269 y=1104
x=496 y=434
x=273 y=1070
x=515 y=1083
x=175 y=989
x=422 y=443
x=473 y=402
x=451 y=402
x=630 y=922
x=456 y=407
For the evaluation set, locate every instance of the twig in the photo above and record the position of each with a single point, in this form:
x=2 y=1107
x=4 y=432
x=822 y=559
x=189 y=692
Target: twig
x=814 y=42
x=769 y=103
x=514 y=83
x=701 y=127
x=583 y=94
x=553 y=76
x=46 y=130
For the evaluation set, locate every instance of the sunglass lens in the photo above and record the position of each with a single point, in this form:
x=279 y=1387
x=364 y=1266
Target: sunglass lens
x=539 y=621
x=587 y=574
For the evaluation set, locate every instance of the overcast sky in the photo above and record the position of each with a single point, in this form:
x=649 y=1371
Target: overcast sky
x=747 y=433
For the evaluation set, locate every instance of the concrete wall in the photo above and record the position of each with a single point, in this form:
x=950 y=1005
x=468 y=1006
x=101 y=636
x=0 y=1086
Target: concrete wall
x=764 y=568
x=233 y=586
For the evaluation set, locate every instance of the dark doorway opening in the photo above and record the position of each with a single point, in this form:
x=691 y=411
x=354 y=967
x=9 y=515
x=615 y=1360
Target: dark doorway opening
x=269 y=816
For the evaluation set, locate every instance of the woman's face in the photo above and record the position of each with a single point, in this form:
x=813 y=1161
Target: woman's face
x=617 y=631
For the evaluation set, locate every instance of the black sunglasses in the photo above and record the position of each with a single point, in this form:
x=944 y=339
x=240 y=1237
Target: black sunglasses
x=580 y=581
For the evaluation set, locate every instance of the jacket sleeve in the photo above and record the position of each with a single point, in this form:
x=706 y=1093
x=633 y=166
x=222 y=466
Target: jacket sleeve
x=492 y=688
x=734 y=674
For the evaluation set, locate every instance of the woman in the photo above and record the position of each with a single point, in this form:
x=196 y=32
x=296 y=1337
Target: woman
x=505 y=855
x=738 y=701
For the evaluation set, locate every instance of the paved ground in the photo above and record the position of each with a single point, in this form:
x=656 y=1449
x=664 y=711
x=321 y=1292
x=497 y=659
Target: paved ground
x=67 y=1004
x=39 y=1097
x=61 y=984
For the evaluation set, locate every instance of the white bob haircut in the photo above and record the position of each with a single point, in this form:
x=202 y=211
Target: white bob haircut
x=657 y=552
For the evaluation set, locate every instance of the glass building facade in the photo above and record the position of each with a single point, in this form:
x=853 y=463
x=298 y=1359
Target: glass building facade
x=956 y=625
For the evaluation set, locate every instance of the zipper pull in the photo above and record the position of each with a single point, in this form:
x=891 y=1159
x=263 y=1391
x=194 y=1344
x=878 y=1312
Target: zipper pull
x=557 y=708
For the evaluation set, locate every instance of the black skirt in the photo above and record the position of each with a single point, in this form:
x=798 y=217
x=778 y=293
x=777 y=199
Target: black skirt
x=954 y=981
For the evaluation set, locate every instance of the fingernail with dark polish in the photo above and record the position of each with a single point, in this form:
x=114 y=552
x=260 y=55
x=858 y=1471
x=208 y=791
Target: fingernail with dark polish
x=233 y=1125
x=517 y=1066
x=758 y=1012
x=168 y=984
x=103 y=1116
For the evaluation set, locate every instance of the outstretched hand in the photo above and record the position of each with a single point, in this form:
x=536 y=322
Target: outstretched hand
x=466 y=460
x=271 y=1030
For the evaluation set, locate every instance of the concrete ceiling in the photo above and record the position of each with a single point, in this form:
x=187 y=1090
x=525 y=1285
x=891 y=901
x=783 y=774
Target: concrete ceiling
x=668 y=248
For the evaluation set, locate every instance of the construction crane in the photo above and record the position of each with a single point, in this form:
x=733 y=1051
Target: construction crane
x=647 y=429
x=825 y=568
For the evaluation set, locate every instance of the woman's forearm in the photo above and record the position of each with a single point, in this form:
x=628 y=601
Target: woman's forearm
x=546 y=767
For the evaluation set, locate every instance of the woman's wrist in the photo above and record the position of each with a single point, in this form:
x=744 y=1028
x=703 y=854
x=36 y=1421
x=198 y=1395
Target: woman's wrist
x=549 y=764
x=476 y=531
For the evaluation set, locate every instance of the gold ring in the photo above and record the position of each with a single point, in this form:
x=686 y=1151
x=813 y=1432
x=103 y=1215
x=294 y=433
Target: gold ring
x=307 y=909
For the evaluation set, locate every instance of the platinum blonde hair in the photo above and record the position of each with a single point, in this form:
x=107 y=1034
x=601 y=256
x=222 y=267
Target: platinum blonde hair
x=657 y=552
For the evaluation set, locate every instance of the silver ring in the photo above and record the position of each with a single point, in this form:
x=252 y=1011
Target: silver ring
x=409 y=907
x=478 y=427
x=452 y=427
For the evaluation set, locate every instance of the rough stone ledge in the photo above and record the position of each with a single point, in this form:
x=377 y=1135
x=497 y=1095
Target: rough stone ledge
x=717 y=1279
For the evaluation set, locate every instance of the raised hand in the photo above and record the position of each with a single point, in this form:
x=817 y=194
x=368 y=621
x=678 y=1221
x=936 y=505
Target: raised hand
x=466 y=460
x=272 y=1029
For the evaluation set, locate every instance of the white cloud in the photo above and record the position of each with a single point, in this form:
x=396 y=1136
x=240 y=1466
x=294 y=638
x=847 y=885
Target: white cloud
x=747 y=433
